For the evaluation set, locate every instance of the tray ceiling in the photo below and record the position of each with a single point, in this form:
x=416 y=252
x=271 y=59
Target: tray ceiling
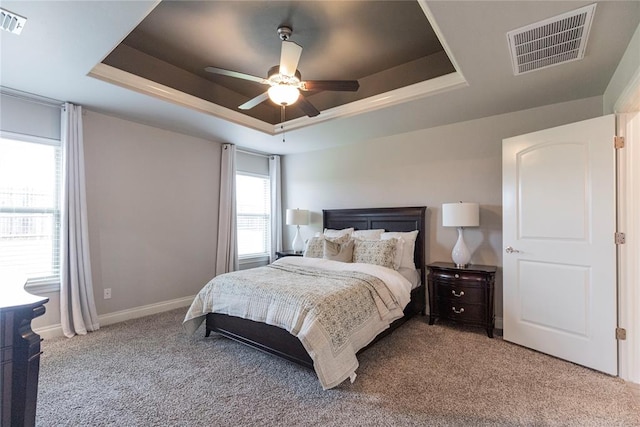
x=386 y=46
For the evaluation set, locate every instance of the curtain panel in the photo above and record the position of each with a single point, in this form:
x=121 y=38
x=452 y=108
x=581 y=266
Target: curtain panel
x=77 y=305
x=227 y=252
x=276 y=206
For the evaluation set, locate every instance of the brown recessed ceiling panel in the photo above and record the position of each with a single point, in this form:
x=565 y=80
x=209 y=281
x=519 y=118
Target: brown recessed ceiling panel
x=385 y=45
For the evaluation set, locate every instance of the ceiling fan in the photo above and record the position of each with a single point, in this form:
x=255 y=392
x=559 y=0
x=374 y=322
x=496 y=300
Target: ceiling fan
x=285 y=80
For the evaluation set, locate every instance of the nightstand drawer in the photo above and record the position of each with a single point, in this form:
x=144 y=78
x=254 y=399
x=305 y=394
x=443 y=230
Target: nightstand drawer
x=459 y=276
x=471 y=313
x=463 y=294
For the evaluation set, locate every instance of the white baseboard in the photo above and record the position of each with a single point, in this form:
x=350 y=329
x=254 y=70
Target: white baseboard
x=53 y=331
x=48 y=332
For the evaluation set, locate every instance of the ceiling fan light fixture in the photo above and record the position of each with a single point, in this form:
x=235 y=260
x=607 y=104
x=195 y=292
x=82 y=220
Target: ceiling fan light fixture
x=283 y=94
x=285 y=80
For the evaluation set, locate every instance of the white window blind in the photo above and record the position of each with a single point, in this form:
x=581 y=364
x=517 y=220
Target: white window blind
x=253 y=214
x=30 y=184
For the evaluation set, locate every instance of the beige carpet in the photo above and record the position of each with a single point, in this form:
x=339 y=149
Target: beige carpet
x=148 y=372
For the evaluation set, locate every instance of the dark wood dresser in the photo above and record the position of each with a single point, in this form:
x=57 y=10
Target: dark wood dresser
x=19 y=354
x=464 y=295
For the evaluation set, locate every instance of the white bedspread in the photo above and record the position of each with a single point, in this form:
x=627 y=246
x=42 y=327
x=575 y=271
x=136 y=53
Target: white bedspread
x=334 y=308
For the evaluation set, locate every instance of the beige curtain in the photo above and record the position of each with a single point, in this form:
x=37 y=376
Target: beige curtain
x=227 y=253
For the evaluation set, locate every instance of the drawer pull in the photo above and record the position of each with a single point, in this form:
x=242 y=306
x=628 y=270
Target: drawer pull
x=458 y=311
x=457 y=276
x=457 y=295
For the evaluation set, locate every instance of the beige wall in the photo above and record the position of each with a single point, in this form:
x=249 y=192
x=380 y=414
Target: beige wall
x=153 y=195
x=152 y=199
x=429 y=167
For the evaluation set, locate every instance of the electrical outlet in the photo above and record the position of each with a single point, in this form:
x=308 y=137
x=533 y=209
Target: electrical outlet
x=107 y=293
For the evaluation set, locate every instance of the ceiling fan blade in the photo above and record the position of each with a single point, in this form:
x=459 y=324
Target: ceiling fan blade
x=335 y=85
x=255 y=101
x=237 y=75
x=289 y=57
x=307 y=107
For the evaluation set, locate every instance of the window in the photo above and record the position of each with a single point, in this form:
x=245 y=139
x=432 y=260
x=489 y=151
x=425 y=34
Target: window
x=253 y=203
x=30 y=177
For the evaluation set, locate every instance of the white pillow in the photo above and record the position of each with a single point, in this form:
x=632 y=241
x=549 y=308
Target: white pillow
x=337 y=233
x=408 y=247
x=367 y=234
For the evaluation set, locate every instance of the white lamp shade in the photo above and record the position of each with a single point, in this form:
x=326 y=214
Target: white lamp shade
x=460 y=215
x=283 y=94
x=297 y=217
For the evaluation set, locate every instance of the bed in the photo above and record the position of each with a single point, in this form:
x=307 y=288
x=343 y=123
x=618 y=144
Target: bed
x=280 y=342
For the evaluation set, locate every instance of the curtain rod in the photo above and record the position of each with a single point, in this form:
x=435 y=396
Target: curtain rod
x=29 y=97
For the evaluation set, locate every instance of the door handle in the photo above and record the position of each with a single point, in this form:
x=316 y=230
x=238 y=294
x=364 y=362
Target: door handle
x=510 y=250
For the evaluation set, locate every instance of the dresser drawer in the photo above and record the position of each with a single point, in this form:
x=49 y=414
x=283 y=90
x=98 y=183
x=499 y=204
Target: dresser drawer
x=469 y=313
x=462 y=294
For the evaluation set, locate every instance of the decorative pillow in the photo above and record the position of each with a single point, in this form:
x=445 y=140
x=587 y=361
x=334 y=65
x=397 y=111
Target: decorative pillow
x=367 y=234
x=315 y=245
x=378 y=252
x=408 y=247
x=338 y=252
x=337 y=233
x=397 y=258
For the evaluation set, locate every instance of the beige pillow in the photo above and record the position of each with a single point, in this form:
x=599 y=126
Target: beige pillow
x=378 y=252
x=332 y=234
x=315 y=245
x=338 y=252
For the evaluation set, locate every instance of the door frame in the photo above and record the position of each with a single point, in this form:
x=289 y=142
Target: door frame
x=628 y=200
x=627 y=107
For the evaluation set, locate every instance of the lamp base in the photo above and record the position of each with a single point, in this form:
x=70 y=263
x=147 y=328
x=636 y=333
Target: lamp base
x=298 y=244
x=460 y=254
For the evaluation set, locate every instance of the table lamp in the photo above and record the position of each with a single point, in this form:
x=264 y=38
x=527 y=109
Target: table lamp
x=297 y=217
x=460 y=215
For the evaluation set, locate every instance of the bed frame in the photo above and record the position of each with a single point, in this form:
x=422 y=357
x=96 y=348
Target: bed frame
x=278 y=341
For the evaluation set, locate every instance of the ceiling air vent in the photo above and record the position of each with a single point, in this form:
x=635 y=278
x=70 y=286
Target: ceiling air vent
x=551 y=42
x=11 y=22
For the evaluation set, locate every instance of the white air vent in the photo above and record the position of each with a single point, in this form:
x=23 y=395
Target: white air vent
x=11 y=22
x=551 y=42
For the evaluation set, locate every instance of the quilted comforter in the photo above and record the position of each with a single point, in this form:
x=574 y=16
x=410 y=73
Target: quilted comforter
x=334 y=308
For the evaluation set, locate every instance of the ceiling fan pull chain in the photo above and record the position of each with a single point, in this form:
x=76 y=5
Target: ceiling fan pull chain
x=282 y=116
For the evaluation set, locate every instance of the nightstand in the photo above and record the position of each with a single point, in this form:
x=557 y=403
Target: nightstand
x=282 y=254
x=463 y=295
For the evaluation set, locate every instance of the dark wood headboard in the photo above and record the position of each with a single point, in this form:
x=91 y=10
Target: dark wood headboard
x=391 y=219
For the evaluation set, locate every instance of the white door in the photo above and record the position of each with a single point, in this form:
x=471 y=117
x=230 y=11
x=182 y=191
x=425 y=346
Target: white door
x=559 y=282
